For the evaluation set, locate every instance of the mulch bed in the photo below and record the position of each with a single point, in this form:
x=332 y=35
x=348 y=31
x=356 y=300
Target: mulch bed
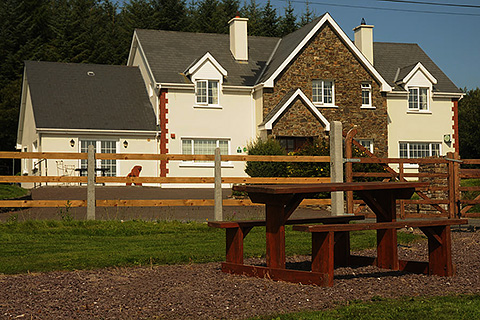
x=202 y=291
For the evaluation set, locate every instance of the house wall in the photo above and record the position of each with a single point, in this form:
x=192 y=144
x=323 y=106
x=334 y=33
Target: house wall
x=29 y=136
x=419 y=126
x=232 y=120
x=140 y=61
x=326 y=57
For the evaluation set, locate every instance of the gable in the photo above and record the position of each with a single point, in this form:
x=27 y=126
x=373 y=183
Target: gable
x=296 y=108
x=285 y=54
x=207 y=68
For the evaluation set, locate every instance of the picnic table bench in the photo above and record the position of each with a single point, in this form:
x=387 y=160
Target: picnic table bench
x=331 y=241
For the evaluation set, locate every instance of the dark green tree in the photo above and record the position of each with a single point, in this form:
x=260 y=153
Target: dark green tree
x=288 y=23
x=269 y=21
x=170 y=15
x=254 y=14
x=468 y=124
x=307 y=16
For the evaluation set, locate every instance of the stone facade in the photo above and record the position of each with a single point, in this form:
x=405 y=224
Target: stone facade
x=298 y=120
x=326 y=57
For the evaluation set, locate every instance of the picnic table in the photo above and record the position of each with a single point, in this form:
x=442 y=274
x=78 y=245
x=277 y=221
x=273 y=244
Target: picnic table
x=330 y=241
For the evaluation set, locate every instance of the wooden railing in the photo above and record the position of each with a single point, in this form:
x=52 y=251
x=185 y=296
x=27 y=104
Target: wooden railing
x=156 y=180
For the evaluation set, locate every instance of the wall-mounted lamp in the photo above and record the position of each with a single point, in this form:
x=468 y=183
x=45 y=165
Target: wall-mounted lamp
x=447 y=138
x=72 y=143
x=125 y=144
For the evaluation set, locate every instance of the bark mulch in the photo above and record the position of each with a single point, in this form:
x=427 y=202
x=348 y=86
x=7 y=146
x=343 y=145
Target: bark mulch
x=202 y=291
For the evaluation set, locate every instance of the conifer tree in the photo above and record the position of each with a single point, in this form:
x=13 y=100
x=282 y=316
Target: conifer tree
x=288 y=23
x=269 y=22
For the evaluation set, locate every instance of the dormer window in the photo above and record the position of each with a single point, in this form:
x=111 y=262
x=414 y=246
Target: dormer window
x=207 y=92
x=323 y=92
x=418 y=99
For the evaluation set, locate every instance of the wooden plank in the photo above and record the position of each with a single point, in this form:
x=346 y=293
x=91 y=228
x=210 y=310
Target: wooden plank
x=295 y=276
x=379 y=225
x=269 y=180
x=234 y=245
x=257 y=223
x=328 y=187
x=42 y=203
x=391 y=174
x=40 y=179
x=42 y=155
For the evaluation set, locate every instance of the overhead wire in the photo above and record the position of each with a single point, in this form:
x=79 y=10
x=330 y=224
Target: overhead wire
x=383 y=9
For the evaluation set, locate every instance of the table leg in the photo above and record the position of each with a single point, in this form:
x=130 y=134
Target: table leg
x=275 y=229
x=342 y=248
x=323 y=254
x=234 y=253
x=383 y=204
x=439 y=250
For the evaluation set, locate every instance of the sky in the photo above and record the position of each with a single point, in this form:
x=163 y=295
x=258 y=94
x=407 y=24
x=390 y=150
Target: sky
x=449 y=33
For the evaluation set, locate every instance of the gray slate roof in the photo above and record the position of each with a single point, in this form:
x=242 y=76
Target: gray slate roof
x=388 y=58
x=170 y=53
x=65 y=96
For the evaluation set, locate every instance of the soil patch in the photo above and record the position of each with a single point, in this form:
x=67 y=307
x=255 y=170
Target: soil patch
x=202 y=291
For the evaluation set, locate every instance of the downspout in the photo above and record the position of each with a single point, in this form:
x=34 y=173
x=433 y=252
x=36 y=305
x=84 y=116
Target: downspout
x=456 y=139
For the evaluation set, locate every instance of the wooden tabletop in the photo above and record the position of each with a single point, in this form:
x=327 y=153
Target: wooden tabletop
x=327 y=187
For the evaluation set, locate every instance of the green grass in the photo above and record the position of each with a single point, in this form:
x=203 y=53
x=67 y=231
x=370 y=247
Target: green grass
x=451 y=308
x=34 y=246
x=11 y=191
x=470 y=195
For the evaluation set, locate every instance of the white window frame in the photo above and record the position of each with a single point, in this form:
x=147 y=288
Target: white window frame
x=409 y=149
x=364 y=142
x=367 y=87
x=418 y=106
x=319 y=98
x=207 y=164
x=98 y=149
x=201 y=100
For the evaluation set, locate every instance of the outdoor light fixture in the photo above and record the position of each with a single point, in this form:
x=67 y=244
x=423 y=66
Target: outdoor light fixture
x=125 y=144
x=447 y=138
x=72 y=143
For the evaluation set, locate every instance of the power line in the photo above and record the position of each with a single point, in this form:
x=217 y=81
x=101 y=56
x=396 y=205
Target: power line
x=435 y=3
x=384 y=9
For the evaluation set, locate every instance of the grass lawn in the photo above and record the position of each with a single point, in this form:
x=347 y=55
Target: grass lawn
x=10 y=191
x=451 y=308
x=34 y=246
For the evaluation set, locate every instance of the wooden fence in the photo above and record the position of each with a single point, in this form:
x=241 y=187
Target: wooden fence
x=159 y=180
x=453 y=205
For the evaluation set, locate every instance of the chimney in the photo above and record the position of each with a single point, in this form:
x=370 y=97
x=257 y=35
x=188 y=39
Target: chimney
x=238 y=38
x=364 y=39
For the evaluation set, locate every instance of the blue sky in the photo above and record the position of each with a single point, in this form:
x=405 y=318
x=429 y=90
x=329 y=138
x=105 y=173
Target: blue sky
x=452 y=41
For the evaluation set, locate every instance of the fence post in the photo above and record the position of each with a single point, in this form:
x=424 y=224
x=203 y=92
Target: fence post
x=336 y=165
x=91 y=183
x=349 y=167
x=453 y=185
x=218 y=210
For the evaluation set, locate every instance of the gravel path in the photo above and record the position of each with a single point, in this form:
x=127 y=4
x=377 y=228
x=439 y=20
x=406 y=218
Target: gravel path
x=202 y=291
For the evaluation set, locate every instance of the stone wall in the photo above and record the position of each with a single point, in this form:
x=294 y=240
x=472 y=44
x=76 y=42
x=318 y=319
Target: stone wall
x=327 y=57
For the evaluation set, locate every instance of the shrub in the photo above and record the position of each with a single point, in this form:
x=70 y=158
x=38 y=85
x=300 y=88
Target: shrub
x=266 y=169
x=319 y=147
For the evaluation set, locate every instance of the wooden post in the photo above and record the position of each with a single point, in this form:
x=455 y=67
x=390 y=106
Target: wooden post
x=218 y=210
x=91 y=183
x=401 y=177
x=453 y=185
x=336 y=165
x=349 y=167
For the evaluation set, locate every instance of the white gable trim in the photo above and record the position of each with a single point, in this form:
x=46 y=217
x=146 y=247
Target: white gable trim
x=21 y=118
x=268 y=125
x=415 y=69
x=384 y=85
x=199 y=63
x=136 y=45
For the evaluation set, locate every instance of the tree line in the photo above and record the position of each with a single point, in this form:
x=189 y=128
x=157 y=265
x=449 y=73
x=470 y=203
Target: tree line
x=100 y=31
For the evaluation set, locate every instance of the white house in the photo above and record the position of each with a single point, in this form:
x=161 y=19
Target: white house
x=203 y=91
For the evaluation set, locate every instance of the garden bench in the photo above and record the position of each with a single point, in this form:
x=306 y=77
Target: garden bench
x=439 y=247
x=236 y=231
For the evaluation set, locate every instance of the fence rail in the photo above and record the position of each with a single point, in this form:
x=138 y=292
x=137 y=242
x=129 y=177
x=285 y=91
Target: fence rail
x=453 y=205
